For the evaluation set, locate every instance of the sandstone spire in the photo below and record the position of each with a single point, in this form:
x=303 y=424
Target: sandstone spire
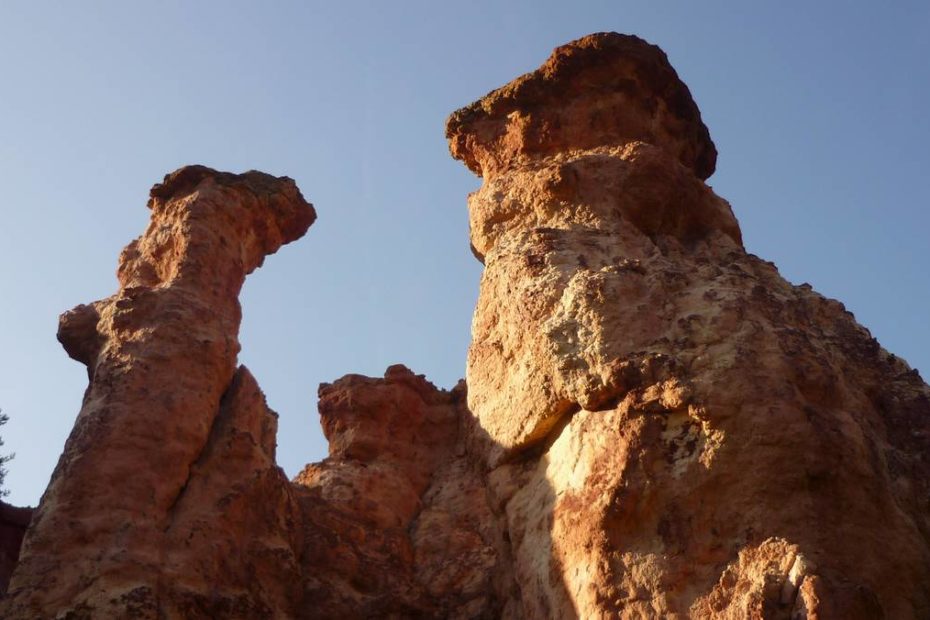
x=168 y=503
x=673 y=429
x=590 y=168
x=656 y=425
x=117 y=526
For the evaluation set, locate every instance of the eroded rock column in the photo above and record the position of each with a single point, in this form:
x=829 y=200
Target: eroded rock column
x=397 y=522
x=671 y=428
x=117 y=531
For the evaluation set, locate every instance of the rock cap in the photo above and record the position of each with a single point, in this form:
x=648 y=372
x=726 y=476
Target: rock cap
x=603 y=89
x=291 y=214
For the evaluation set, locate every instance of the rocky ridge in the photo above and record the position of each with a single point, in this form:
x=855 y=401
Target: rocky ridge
x=656 y=423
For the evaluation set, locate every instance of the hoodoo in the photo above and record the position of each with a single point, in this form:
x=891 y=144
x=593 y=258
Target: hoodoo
x=656 y=424
x=671 y=428
x=167 y=495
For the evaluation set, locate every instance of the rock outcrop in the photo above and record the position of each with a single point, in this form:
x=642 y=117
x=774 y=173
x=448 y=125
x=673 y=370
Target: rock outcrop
x=671 y=428
x=656 y=423
x=166 y=501
x=397 y=521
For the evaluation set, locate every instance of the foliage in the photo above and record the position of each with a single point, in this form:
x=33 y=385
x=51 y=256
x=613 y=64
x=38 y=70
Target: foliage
x=4 y=459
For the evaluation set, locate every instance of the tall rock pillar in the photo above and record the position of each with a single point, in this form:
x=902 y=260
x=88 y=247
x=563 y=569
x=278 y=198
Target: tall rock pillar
x=170 y=437
x=671 y=428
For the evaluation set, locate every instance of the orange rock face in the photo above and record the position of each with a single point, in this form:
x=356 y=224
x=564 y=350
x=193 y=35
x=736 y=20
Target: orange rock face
x=168 y=503
x=671 y=428
x=656 y=424
x=166 y=499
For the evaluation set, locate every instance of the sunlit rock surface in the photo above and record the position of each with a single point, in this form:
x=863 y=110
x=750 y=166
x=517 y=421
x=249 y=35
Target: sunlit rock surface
x=167 y=500
x=671 y=428
x=656 y=423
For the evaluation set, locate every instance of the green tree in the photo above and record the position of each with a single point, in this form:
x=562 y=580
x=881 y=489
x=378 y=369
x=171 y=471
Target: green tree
x=4 y=459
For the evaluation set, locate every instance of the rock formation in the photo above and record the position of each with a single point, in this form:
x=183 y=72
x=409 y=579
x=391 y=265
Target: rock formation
x=672 y=429
x=166 y=501
x=656 y=424
x=397 y=522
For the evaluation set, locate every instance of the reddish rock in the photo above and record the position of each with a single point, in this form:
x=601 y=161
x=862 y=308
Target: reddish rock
x=656 y=425
x=673 y=430
x=168 y=503
x=605 y=89
x=397 y=522
x=131 y=521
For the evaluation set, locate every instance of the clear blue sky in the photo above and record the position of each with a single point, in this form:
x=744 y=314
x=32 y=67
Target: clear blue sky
x=819 y=111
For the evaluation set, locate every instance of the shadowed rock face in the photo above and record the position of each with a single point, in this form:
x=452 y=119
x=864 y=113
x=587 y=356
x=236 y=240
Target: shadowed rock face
x=656 y=425
x=397 y=521
x=13 y=523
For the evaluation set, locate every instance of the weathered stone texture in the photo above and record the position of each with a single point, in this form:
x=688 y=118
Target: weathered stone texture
x=656 y=424
x=672 y=429
x=135 y=521
x=397 y=518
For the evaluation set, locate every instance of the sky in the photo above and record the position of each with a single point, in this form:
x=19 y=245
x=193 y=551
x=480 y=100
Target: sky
x=819 y=112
